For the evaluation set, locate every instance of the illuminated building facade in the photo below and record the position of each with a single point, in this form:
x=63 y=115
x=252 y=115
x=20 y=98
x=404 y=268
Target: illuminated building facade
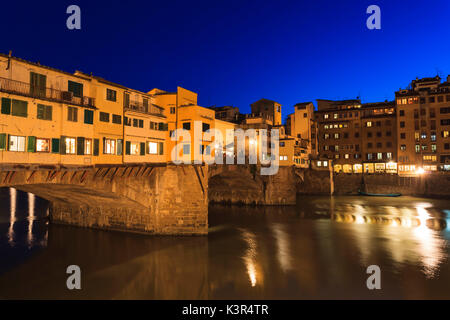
x=424 y=126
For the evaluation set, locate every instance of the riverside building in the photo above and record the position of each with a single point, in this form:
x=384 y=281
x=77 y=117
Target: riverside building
x=424 y=126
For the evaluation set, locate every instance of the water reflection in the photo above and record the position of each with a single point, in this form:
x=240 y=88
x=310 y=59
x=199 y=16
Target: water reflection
x=283 y=251
x=318 y=249
x=411 y=234
x=250 y=257
x=12 y=214
x=31 y=202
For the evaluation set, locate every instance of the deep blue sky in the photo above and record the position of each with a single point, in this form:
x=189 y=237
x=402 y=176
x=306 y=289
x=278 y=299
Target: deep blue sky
x=236 y=52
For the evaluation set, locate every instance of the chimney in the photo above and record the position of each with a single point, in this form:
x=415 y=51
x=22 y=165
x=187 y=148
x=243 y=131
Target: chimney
x=10 y=53
x=448 y=78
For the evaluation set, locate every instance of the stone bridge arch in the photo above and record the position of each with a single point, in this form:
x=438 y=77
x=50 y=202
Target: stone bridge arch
x=138 y=198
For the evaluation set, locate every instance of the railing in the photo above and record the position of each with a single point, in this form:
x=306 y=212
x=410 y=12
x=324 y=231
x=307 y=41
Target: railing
x=25 y=89
x=145 y=108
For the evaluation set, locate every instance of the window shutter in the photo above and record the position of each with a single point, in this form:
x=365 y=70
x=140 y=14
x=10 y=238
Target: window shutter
x=55 y=145
x=96 y=147
x=19 y=108
x=147 y=148
x=142 y=148
x=104 y=145
x=40 y=111
x=88 y=116
x=6 y=106
x=48 y=112
x=80 y=145
x=2 y=141
x=31 y=144
x=62 y=149
x=119 y=147
x=127 y=147
x=161 y=148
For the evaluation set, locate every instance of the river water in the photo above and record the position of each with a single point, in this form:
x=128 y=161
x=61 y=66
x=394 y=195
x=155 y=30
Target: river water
x=319 y=249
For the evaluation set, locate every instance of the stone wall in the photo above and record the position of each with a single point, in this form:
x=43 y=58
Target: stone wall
x=315 y=182
x=242 y=184
x=427 y=185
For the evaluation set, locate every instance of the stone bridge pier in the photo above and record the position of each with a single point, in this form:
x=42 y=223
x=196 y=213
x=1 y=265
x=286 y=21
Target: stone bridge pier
x=160 y=200
x=243 y=184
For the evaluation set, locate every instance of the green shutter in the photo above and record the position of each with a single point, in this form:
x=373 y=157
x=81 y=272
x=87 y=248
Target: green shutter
x=96 y=147
x=127 y=147
x=31 y=147
x=80 y=145
x=19 y=108
x=48 y=112
x=2 y=141
x=142 y=149
x=62 y=149
x=119 y=147
x=40 y=111
x=6 y=106
x=76 y=88
x=161 y=148
x=55 y=145
x=88 y=116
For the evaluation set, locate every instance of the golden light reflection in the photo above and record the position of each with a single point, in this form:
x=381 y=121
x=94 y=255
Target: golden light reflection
x=12 y=214
x=31 y=203
x=410 y=235
x=430 y=244
x=250 y=257
x=283 y=250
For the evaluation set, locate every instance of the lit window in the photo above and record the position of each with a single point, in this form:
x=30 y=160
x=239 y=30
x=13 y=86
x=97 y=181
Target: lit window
x=368 y=124
x=389 y=155
x=70 y=145
x=42 y=145
x=379 y=156
x=134 y=148
x=109 y=146
x=152 y=148
x=319 y=163
x=16 y=143
x=88 y=146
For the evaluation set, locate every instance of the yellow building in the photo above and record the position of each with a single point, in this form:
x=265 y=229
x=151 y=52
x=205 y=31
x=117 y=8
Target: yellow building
x=108 y=121
x=50 y=116
x=184 y=113
x=46 y=115
x=226 y=129
x=145 y=129
x=301 y=125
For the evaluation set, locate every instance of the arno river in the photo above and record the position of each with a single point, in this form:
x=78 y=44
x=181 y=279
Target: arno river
x=318 y=249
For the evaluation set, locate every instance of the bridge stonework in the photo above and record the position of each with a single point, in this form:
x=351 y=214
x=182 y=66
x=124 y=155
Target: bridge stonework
x=165 y=200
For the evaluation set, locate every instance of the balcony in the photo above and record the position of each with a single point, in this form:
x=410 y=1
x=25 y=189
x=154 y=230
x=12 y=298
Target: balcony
x=25 y=89
x=139 y=106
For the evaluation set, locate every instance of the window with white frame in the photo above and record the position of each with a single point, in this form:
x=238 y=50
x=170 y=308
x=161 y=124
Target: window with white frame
x=70 y=145
x=16 y=143
x=42 y=145
x=152 y=148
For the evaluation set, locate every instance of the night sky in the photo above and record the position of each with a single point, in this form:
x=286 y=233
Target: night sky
x=236 y=52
